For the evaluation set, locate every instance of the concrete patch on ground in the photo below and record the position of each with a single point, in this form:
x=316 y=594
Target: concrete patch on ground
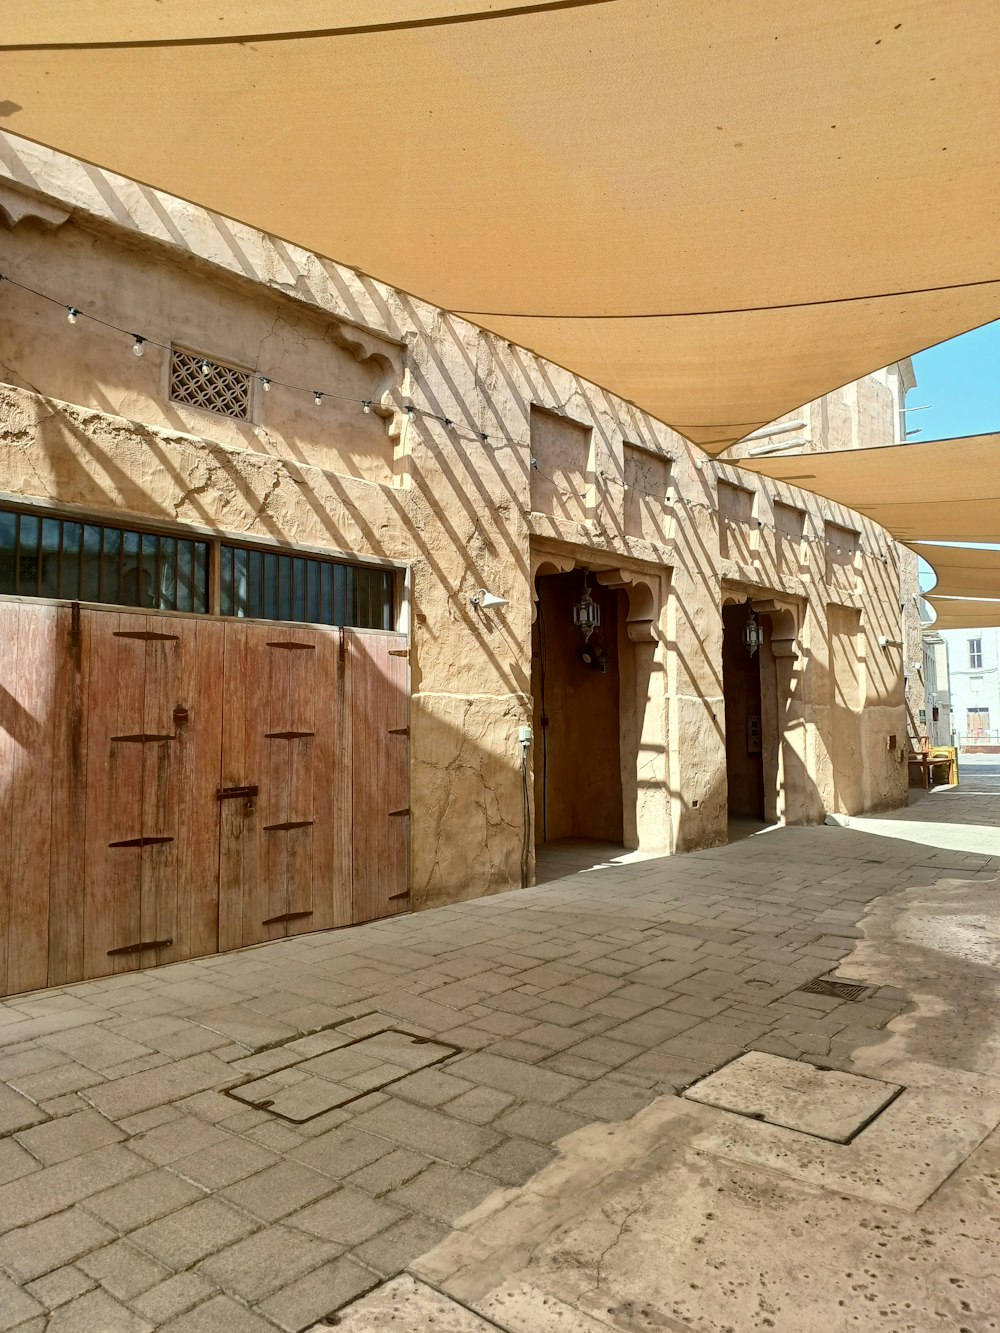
x=822 y=1102
x=404 y=1304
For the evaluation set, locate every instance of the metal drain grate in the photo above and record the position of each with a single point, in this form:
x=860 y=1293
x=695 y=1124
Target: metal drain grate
x=839 y=990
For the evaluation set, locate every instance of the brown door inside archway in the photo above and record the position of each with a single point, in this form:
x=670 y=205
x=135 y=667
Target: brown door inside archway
x=576 y=688
x=741 y=691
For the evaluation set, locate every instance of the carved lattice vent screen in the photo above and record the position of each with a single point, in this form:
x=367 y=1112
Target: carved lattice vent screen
x=201 y=382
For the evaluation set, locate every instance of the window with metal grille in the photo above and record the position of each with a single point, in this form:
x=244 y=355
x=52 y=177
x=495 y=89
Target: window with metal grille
x=267 y=585
x=976 y=654
x=47 y=556
x=201 y=382
x=263 y=585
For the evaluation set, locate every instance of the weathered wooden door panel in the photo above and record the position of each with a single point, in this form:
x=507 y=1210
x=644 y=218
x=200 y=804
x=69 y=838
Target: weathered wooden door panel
x=328 y=761
x=70 y=719
x=180 y=821
x=284 y=861
x=379 y=708
x=27 y=688
x=303 y=717
x=119 y=731
x=282 y=827
x=115 y=764
x=246 y=691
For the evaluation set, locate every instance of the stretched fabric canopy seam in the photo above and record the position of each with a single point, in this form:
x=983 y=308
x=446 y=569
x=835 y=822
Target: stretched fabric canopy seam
x=589 y=160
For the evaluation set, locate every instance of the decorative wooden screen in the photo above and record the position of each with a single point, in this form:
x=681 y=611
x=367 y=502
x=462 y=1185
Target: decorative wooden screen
x=201 y=382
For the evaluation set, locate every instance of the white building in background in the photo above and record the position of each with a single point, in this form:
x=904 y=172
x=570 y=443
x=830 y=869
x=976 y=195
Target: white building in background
x=973 y=686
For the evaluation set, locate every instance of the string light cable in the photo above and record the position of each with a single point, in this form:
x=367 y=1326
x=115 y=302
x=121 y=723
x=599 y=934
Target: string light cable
x=140 y=341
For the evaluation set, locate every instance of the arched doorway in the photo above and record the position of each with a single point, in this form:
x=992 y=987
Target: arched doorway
x=741 y=686
x=576 y=687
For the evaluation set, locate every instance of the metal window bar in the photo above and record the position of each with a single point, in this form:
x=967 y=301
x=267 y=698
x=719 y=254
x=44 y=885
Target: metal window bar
x=63 y=558
x=304 y=589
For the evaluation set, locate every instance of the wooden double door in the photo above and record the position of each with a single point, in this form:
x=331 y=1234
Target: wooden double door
x=173 y=786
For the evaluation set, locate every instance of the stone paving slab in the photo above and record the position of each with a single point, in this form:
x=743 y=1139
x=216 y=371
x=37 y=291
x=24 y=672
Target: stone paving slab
x=823 y=1102
x=581 y=1000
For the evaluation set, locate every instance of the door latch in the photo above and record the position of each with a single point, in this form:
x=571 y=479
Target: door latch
x=248 y=794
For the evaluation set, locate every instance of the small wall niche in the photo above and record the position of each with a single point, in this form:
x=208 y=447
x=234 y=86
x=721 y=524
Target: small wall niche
x=841 y=556
x=736 y=504
x=561 y=472
x=647 y=483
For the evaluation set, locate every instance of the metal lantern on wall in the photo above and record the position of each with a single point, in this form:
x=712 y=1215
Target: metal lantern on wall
x=586 y=612
x=753 y=635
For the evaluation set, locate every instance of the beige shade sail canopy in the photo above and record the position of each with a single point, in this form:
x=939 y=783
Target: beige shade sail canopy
x=955 y=613
x=963 y=572
x=943 y=490
x=718 y=211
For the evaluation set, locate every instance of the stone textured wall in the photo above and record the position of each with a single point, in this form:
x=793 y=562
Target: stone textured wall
x=567 y=476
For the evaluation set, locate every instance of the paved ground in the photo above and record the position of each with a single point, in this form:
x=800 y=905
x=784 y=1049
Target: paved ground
x=136 y=1194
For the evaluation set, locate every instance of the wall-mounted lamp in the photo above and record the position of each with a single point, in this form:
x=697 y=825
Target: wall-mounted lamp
x=885 y=642
x=586 y=612
x=753 y=635
x=488 y=601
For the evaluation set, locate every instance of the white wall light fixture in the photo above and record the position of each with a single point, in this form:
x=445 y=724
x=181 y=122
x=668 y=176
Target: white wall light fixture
x=488 y=601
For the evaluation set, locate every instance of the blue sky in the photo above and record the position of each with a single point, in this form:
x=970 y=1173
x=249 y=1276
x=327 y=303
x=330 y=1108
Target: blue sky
x=960 y=380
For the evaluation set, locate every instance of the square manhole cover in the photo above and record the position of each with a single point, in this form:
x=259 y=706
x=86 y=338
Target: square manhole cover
x=823 y=1102
x=321 y=1083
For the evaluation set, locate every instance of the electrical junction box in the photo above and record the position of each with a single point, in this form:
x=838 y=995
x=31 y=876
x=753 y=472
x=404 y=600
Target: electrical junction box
x=524 y=735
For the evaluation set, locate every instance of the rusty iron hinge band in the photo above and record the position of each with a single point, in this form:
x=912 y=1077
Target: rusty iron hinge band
x=147 y=635
x=137 y=948
x=142 y=736
x=291 y=646
x=139 y=842
x=399 y=731
x=233 y=793
x=292 y=823
x=399 y=812
x=287 y=735
x=399 y=652
x=285 y=916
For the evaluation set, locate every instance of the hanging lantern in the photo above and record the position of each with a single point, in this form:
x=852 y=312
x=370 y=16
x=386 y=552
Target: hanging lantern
x=753 y=635
x=586 y=612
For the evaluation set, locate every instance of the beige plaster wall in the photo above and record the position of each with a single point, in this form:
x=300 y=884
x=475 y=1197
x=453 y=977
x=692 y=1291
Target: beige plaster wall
x=553 y=486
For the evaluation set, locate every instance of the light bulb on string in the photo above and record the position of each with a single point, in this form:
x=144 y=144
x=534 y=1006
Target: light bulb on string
x=265 y=384
x=139 y=346
x=317 y=397
x=205 y=368
x=72 y=314
x=366 y=406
